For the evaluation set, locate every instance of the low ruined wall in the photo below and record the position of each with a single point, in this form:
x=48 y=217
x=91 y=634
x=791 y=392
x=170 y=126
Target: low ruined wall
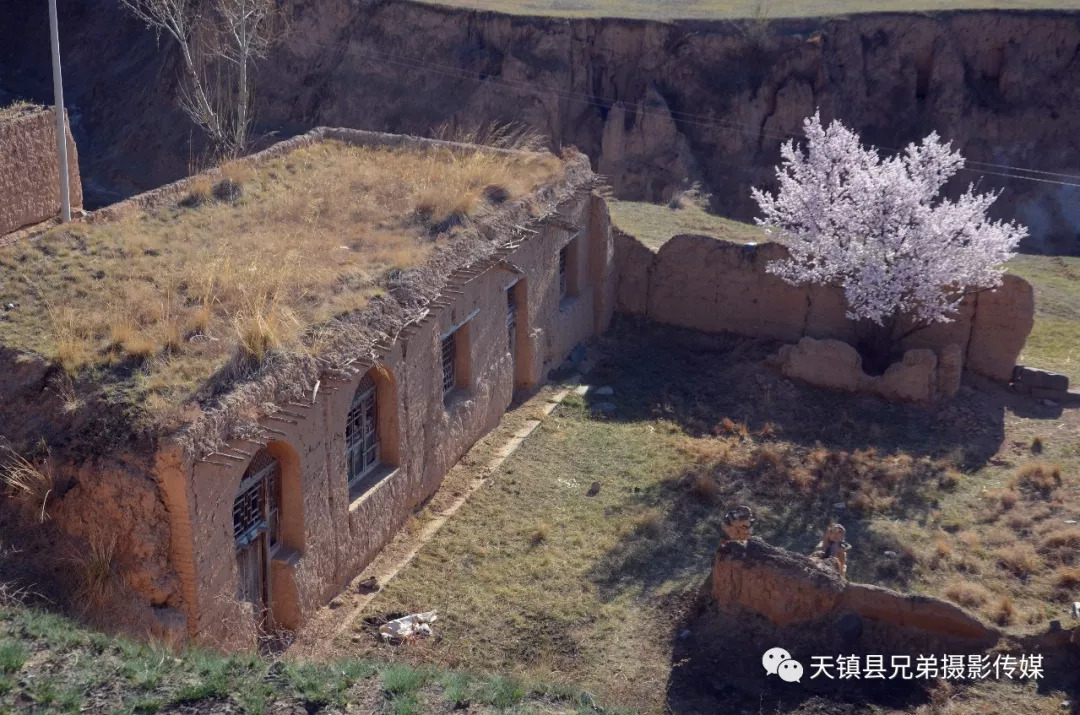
x=29 y=171
x=708 y=284
x=334 y=533
x=789 y=588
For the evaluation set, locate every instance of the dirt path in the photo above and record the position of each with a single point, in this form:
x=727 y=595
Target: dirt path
x=318 y=639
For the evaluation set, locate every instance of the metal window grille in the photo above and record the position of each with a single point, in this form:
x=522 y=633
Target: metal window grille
x=449 y=367
x=257 y=507
x=362 y=430
x=511 y=319
x=562 y=269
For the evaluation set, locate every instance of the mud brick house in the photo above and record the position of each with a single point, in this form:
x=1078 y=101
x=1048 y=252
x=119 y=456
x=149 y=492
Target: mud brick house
x=272 y=483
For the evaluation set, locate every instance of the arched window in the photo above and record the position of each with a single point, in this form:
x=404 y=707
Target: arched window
x=362 y=431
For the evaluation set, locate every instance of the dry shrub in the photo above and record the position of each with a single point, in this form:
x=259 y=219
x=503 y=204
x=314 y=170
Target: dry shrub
x=768 y=460
x=1008 y=499
x=704 y=488
x=649 y=524
x=1037 y=477
x=1019 y=559
x=1061 y=545
x=731 y=427
x=94 y=571
x=942 y=552
x=1067 y=577
x=27 y=482
x=1020 y=522
x=539 y=535
x=967 y=594
x=949 y=480
x=1003 y=612
x=767 y=431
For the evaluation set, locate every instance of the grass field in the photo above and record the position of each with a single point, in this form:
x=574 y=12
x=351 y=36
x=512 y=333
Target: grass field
x=654 y=224
x=538 y=578
x=737 y=9
x=48 y=664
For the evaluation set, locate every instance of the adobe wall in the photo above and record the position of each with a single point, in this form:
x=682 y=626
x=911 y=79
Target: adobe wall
x=29 y=171
x=329 y=536
x=708 y=284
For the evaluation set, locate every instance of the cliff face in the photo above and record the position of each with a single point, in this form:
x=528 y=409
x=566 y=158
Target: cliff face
x=651 y=103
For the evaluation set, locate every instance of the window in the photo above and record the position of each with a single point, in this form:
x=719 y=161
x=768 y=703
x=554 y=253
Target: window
x=257 y=507
x=449 y=363
x=511 y=319
x=362 y=430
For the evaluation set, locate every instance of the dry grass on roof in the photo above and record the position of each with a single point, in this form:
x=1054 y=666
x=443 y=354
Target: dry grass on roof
x=248 y=265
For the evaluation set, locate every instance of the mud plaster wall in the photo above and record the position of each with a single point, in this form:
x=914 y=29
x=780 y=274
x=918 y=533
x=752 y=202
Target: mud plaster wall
x=29 y=171
x=712 y=285
x=342 y=533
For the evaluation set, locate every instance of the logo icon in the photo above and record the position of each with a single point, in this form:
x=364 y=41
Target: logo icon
x=778 y=661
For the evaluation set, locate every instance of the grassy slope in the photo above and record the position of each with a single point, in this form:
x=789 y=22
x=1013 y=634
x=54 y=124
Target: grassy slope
x=49 y=664
x=654 y=224
x=733 y=9
x=1054 y=343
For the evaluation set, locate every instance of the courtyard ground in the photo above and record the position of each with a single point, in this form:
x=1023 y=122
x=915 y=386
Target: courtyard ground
x=544 y=574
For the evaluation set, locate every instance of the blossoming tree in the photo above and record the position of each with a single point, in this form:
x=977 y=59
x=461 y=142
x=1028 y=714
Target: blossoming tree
x=878 y=227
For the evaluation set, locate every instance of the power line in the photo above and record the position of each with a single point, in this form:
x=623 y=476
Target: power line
x=680 y=116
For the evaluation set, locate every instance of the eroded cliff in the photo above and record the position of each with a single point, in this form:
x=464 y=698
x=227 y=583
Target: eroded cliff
x=651 y=103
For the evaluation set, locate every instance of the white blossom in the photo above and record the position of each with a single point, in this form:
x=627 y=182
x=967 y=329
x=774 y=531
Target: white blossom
x=878 y=228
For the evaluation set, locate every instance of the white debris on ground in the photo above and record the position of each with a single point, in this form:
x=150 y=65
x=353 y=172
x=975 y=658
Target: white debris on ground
x=408 y=627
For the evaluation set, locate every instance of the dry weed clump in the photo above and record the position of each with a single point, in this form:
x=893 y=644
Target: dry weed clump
x=1019 y=559
x=1037 y=477
x=1004 y=611
x=967 y=594
x=246 y=266
x=704 y=488
x=1061 y=545
x=27 y=482
x=94 y=571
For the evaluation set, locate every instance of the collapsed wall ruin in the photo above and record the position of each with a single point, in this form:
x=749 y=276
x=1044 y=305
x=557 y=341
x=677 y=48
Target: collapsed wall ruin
x=29 y=169
x=708 y=284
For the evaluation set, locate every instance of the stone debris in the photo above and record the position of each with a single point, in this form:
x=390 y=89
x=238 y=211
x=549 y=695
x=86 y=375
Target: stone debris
x=594 y=489
x=739 y=524
x=368 y=585
x=606 y=390
x=833 y=549
x=408 y=627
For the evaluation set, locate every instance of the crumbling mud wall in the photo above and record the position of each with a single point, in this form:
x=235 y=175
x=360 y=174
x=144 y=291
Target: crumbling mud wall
x=789 y=588
x=708 y=284
x=94 y=537
x=29 y=170
x=332 y=532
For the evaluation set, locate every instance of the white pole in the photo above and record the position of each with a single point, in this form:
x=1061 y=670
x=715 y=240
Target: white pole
x=58 y=98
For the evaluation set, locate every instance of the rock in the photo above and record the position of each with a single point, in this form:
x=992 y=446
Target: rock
x=1045 y=379
x=685 y=634
x=606 y=390
x=1055 y=626
x=913 y=379
x=1070 y=521
x=337 y=602
x=890 y=554
x=604 y=407
x=594 y=489
x=826 y=363
x=1049 y=403
x=368 y=585
x=839 y=506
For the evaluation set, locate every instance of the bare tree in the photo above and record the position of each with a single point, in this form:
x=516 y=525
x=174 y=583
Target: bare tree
x=220 y=40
